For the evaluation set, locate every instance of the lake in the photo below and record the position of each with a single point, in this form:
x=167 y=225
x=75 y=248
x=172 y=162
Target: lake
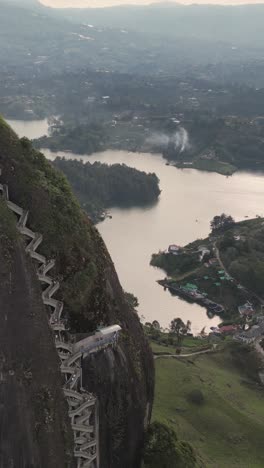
x=188 y=201
x=30 y=128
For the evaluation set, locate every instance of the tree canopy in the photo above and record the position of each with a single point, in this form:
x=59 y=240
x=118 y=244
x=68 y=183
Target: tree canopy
x=163 y=450
x=178 y=327
x=222 y=222
x=100 y=186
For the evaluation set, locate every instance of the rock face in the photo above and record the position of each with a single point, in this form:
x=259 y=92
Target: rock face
x=34 y=426
x=122 y=379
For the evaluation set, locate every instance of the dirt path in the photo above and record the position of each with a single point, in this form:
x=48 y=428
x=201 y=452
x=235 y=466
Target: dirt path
x=179 y=356
x=217 y=254
x=186 y=275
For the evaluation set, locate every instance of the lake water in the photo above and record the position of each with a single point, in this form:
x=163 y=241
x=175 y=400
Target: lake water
x=31 y=128
x=188 y=202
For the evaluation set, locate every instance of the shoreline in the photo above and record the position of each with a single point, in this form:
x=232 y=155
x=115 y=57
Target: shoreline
x=203 y=302
x=217 y=167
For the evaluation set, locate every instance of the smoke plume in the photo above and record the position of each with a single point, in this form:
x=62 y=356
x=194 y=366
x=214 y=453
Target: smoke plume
x=179 y=140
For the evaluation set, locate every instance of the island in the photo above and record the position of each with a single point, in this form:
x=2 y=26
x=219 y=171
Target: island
x=100 y=186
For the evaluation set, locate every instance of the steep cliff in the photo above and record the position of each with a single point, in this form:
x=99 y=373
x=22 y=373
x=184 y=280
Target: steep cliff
x=34 y=426
x=123 y=379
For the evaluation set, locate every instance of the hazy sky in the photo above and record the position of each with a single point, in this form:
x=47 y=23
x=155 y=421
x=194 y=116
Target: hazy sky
x=100 y=3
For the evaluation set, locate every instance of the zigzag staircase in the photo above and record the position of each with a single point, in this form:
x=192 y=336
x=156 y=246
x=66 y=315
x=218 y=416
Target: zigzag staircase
x=83 y=406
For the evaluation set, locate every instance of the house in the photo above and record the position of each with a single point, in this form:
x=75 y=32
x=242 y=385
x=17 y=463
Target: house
x=213 y=261
x=190 y=287
x=203 y=251
x=243 y=338
x=228 y=330
x=258 y=318
x=246 y=309
x=251 y=335
x=174 y=249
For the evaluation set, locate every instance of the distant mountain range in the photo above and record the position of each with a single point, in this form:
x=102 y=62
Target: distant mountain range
x=235 y=24
x=156 y=39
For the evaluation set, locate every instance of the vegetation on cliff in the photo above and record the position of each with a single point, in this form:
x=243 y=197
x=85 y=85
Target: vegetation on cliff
x=91 y=293
x=8 y=229
x=99 y=186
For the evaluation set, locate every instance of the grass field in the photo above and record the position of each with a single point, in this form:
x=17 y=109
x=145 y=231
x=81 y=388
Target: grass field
x=228 y=428
x=189 y=344
x=211 y=165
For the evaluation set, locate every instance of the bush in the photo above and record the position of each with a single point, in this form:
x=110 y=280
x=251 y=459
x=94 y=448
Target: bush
x=196 y=397
x=160 y=447
x=163 y=450
x=246 y=359
x=186 y=457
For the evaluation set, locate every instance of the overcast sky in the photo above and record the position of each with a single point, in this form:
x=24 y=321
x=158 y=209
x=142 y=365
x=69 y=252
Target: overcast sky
x=101 y=3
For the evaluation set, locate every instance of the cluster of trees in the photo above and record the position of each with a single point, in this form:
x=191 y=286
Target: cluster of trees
x=221 y=223
x=180 y=329
x=162 y=449
x=177 y=331
x=132 y=300
x=175 y=264
x=99 y=186
x=82 y=139
x=243 y=254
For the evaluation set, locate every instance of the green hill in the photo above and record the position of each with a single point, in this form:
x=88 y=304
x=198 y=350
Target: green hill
x=227 y=428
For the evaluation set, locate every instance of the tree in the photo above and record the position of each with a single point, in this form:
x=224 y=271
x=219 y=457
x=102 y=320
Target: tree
x=132 y=300
x=222 y=222
x=160 y=447
x=179 y=328
x=163 y=450
x=196 y=396
x=227 y=241
x=148 y=324
x=188 y=326
x=153 y=330
x=156 y=325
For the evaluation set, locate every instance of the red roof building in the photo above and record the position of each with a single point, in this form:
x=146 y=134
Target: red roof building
x=228 y=329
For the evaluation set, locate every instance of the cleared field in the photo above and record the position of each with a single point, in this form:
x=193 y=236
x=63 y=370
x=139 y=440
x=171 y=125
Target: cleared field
x=228 y=428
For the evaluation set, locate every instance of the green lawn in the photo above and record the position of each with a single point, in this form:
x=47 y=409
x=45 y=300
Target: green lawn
x=228 y=429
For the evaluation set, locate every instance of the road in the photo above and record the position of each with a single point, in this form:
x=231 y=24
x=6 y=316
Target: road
x=217 y=254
